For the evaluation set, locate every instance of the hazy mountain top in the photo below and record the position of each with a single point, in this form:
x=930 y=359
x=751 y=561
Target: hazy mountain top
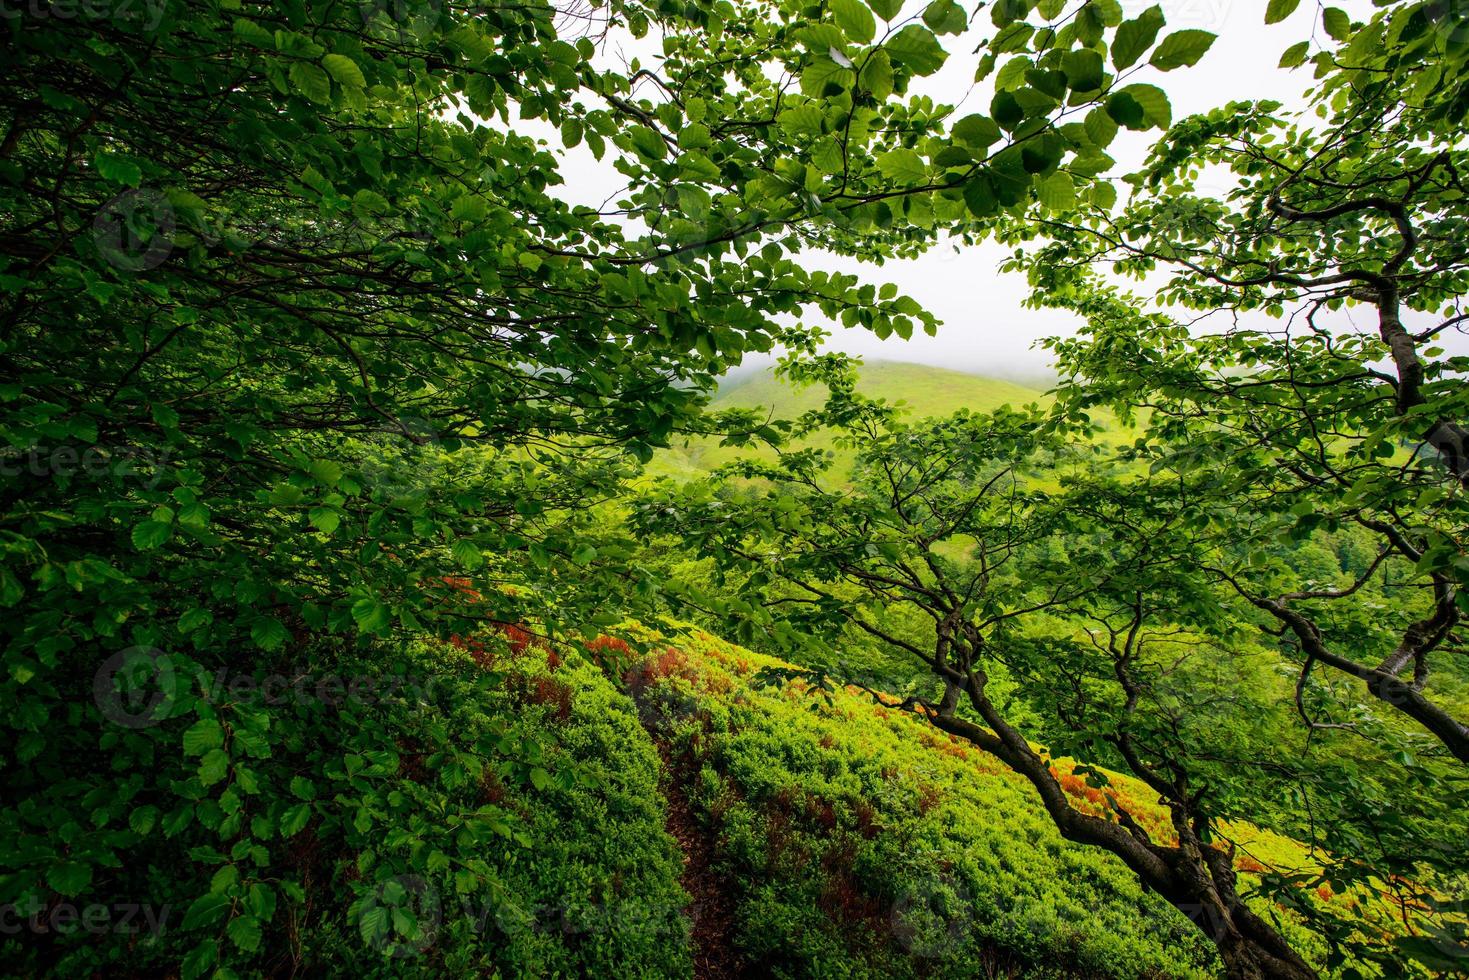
x=927 y=390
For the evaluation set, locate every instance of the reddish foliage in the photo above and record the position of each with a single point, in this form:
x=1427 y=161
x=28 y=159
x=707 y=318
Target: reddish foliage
x=929 y=796
x=1076 y=787
x=518 y=637
x=461 y=587
x=842 y=897
x=476 y=649
x=609 y=651
x=729 y=795
x=1248 y=864
x=549 y=691
x=491 y=789
x=866 y=815
x=822 y=812
x=410 y=762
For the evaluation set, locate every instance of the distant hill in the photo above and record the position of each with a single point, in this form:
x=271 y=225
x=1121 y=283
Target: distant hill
x=923 y=390
x=927 y=390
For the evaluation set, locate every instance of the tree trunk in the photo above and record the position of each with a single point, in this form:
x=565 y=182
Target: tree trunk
x=1252 y=950
x=1196 y=878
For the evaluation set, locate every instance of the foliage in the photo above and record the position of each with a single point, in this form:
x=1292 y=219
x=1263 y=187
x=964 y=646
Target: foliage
x=406 y=818
x=311 y=371
x=861 y=843
x=1088 y=602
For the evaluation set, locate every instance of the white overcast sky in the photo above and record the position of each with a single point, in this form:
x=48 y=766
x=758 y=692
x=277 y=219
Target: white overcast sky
x=985 y=328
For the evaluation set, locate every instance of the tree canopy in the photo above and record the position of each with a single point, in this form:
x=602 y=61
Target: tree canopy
x=313 y=369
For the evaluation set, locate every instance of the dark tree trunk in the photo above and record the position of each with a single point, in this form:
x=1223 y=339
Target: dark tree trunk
x=1196 y=878
x=1255 y=951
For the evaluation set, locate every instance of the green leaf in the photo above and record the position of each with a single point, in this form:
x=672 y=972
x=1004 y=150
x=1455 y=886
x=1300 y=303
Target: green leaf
x=979 y=197
x=916 y=48
x=647 y=143
x=195 y=619
x=344 y=70
x=309 y=80
x=903 y=165
x=1295 y=54
x=252 y=33
x=118 y=170
x=202 y=736
x=822 y=77
x=1057 y=192
x=11 y=591
x=877 y=75
x=371 y=616
x=1007 y=110
x=244 y=932
x=366 y=203
x=467 y=554
x=1083 y=70
x=205 y=911
x=268 y=633
x=1100 y=128
x=1156 y=109
x=1278 y=10
x=151 y=534
x=1140 y=106
x=1337 y=23
x=1181 y=48
x=200 y=960
x=213 y=766
x=946 y=17
x=69 y=878
x=325 y=519
x=1125 y=111
x=855 y=20
x=886 y=9
x=372 y=924
x=978 y=131
x=1135 y=36
x=469 y=207
x=325 y=471
x=143 y=819
x=260 y=900
x=539 y=778
x=295 y=819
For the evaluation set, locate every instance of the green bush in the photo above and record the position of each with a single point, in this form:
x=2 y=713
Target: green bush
x=860 y=843
x=445 y=817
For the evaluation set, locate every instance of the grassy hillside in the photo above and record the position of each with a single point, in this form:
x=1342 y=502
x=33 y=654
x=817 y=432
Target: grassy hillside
x=922 y=390
x=925 y=389
x=840 y=838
